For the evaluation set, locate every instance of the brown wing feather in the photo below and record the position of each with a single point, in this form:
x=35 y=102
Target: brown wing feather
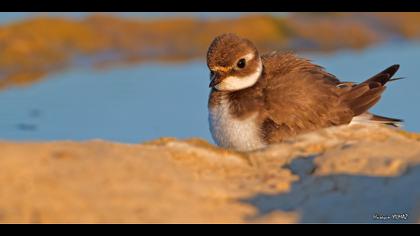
x=300 y=97
x=384 y=76
x=365 y=95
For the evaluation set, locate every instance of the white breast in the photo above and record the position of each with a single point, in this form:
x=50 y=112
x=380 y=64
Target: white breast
x=230 y=132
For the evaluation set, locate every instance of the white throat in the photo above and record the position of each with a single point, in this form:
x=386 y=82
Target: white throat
x=231 y=132
x=233 y=83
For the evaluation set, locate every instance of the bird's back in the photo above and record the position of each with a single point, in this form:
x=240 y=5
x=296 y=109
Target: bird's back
x=301 y=97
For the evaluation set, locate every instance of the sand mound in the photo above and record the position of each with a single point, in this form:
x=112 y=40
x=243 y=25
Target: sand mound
x=335 y=175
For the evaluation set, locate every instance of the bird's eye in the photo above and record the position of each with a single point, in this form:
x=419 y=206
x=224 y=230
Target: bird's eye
x=211 y=74
x=241 y=63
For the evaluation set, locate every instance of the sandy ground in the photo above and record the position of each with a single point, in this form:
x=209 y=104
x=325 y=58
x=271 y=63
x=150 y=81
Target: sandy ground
x=336 y=175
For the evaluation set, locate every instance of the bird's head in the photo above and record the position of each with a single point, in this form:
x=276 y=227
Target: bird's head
x=234 y=63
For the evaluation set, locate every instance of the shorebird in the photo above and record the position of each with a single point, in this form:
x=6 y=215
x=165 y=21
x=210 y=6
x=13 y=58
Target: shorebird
x=257 y=100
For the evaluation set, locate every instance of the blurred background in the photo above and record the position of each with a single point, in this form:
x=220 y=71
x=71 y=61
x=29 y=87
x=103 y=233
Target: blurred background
x=133 y=77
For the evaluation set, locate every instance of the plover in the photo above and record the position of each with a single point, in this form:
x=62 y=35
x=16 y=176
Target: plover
x=257 y=100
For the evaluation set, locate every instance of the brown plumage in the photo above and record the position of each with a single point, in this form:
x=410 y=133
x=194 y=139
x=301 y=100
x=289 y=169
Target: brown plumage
x=291 y=96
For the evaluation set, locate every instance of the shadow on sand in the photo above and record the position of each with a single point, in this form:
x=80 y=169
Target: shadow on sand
x=346 y=198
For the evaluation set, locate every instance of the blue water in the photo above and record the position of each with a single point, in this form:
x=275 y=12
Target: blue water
x=146 y=101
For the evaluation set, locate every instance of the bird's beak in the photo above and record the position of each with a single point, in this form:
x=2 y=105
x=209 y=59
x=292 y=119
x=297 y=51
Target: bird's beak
x=215 y=80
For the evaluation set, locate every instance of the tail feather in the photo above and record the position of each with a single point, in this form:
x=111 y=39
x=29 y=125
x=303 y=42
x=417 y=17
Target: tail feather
x=372 y=119
x=387 y=120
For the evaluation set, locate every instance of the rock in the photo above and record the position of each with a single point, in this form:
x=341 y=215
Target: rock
x=342 y=174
